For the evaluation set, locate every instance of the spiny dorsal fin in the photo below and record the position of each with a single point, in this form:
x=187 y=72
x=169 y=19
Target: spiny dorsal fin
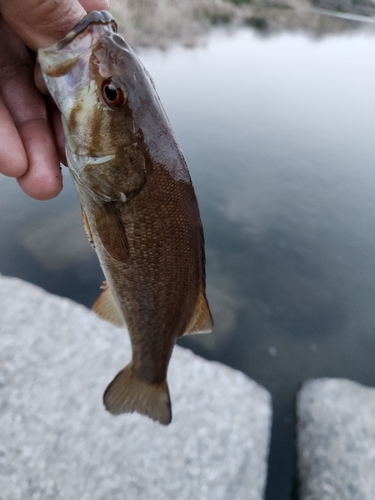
x=106 y=307
x=201 y=321
x=128 y=393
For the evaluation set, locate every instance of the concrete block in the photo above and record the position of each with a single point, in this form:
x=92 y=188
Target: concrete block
x=58 y=442
x=336 y=440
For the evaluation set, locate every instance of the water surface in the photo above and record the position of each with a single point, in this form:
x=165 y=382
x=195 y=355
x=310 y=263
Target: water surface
x=278 y=133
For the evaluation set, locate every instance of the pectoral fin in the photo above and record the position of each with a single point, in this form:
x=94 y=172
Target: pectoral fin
x=86 y=225
x=111 y=230
x=201 y=321
x=106 y=307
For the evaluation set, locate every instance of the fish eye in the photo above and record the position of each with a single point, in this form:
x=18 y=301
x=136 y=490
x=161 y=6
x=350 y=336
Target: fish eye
x=112 y=94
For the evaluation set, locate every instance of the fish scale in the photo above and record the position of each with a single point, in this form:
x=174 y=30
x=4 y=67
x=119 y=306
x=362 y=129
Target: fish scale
x=138 y=203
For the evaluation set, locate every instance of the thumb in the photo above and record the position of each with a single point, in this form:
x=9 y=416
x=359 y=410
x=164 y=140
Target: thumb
x=39 y=23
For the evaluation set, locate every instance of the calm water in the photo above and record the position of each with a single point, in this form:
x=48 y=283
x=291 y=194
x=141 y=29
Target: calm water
x=279 y=136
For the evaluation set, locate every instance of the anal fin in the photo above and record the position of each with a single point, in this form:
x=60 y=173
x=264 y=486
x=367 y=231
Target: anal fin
x=201 y=320
x=127 y=393
x=106 y=307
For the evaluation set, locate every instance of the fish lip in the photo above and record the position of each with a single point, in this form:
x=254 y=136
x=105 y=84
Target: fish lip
x=65 y=47
x=93 y=17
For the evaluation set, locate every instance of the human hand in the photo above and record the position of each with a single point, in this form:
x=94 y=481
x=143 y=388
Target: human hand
x=31 y=139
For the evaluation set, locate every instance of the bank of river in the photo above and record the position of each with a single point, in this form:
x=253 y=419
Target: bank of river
x=162 y=23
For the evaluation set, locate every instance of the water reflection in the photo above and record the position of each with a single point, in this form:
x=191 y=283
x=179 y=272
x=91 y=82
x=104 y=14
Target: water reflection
x=278 y=134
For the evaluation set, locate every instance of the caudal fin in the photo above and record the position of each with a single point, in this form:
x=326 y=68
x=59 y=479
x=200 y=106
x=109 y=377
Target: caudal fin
x=127 y=393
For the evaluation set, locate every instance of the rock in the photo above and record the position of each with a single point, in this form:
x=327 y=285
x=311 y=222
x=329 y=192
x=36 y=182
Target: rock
x=58 y=442
x=336 y=440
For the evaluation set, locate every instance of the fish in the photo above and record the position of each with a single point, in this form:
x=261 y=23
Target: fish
x=138 y=203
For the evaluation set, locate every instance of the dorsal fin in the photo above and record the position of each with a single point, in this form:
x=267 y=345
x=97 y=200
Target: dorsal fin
x=201 y=320
x=106 y=307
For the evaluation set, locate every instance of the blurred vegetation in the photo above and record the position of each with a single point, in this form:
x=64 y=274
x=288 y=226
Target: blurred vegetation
x=162 y=22
x=240 y=2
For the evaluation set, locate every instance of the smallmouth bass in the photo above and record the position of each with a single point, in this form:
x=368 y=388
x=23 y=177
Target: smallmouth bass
x=138 y=205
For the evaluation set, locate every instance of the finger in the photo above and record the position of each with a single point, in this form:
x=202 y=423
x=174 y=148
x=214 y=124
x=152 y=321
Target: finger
x=40 y=176
x=55 y=115
x=38 y=79
x=44 y=22
x=90 y=5
x=43 y=179
x=13 y=159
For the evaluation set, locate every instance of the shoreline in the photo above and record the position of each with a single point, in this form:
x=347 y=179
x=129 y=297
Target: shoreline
x=162 y=23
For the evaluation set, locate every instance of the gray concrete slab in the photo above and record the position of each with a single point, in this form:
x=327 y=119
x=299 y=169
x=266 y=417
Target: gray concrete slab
x=336 y=440
x=58 y=442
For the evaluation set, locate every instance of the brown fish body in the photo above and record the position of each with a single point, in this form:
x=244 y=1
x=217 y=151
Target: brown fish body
x=155 y=273
x=138 y=203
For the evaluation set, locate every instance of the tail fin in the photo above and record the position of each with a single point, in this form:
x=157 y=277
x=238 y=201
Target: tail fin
x=128 y=393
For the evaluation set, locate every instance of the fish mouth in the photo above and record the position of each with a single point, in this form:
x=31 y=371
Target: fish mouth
x=58 y=59
x=93 y=17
